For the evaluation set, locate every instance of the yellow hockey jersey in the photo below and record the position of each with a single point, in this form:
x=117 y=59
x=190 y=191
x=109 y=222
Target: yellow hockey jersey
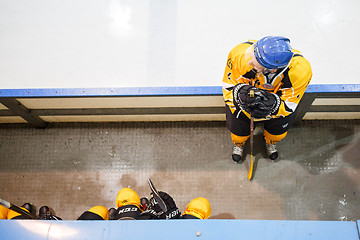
x=288 y=83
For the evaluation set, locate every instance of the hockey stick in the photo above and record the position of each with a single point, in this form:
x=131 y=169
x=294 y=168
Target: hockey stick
x=16 y=209
x=251 y=170
x=157 y=196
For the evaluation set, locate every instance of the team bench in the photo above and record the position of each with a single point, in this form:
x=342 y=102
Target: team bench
x=39 y=107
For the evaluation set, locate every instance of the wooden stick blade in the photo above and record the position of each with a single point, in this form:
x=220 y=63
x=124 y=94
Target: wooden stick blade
x=251 y=171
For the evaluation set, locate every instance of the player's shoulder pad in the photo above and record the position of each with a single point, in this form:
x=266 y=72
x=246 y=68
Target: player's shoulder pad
x=300 y=68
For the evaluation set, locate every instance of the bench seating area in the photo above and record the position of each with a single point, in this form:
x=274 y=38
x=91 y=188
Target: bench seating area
x=39 y=107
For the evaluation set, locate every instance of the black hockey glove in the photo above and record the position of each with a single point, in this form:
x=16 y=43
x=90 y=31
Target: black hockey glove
x=266 y=104
x=148 y=214
x=241 y=96
x=154 y=211
x=259 y=104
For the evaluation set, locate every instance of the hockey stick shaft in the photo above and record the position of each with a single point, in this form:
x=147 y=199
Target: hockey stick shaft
x=16 y=209
x=251 y=171
x=157 y=197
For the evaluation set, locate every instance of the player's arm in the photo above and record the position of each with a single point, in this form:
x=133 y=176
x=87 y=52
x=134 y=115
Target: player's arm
x=291 y=95
x=232 y=75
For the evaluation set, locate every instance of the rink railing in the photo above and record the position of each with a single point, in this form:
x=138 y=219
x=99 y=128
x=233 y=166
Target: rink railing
x=39 y=107
x=179 y=229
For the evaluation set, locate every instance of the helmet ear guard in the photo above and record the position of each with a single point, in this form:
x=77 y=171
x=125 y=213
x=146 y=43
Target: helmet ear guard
x=273 y=52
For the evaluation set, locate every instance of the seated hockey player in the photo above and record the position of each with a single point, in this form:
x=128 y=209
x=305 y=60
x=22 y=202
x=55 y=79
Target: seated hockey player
x=198 y=208
x=154 y=210
x=128 y=205
x=95 y=213
x=27 y=207
x=263 y=80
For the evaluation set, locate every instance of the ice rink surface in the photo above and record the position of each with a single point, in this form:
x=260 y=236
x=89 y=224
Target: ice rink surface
x=152 y=43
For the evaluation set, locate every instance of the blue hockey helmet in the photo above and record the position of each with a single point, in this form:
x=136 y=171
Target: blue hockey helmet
x=273 y=52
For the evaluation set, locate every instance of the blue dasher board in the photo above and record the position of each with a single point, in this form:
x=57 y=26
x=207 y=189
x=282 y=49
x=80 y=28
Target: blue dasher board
x=179 y=229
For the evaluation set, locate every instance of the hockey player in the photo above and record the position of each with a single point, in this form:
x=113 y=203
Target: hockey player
x=128 y=205
x=198 y=208
x=265 y=80
x=27 y=207
x=95 y=213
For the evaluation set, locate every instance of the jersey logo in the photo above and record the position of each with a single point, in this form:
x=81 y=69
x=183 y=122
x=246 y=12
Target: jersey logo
x=268 y=86
x=229 y=63
x=128 y=209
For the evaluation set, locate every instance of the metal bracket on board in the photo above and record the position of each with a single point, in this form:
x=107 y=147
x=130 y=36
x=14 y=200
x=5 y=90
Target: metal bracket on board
x=20 y=110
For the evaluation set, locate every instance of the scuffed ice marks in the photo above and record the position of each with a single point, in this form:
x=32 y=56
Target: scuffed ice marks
x=342 y=208
x=322 y=165
x=343 y=200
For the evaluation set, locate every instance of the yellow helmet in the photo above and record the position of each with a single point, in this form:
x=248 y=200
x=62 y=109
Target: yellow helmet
x=101 y=211
x=199 y=207
x=127 y=196
x=3 y=212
